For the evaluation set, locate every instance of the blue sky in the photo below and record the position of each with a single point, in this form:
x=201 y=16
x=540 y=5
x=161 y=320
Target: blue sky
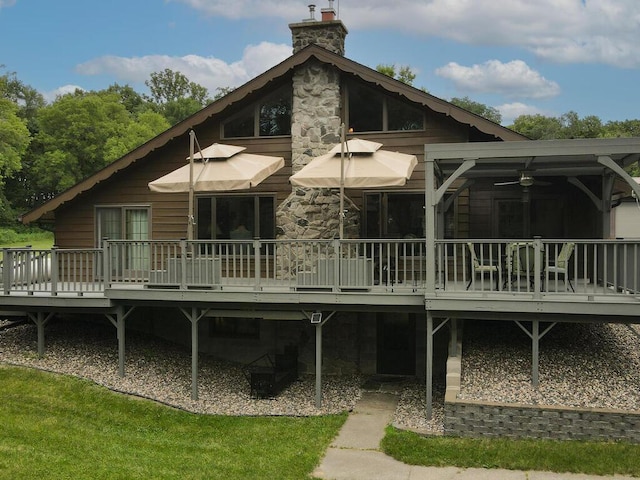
x=519 y=56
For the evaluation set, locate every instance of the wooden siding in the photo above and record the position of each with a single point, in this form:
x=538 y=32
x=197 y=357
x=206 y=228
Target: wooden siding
x=75 y=221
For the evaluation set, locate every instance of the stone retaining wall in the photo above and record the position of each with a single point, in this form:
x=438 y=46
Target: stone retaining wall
x=482 y=419
x=470 y=418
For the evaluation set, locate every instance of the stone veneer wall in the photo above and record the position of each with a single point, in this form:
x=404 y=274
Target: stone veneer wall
x=314 y=213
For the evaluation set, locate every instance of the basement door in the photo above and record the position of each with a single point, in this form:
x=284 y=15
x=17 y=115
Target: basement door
x=396 y=345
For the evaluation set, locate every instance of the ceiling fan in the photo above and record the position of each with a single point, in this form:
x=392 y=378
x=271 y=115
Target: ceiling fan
x=526 y=180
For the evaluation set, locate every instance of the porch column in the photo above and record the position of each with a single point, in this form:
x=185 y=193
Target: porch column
x=430 y=224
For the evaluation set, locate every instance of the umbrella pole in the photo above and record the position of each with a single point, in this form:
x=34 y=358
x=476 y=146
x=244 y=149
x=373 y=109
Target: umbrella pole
x=192 y=135
x=342 y=142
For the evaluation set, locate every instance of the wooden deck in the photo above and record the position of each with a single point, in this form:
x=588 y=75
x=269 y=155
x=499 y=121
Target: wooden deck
x=602 y=278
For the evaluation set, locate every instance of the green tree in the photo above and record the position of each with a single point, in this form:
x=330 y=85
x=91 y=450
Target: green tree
x=27 y=99
x=222 y=91
x=175 y=96
x=134 y=102
x=404 y=74
x=576 y=127
x=490 y=113
x=14 y=138
x=538 y=127
x=14 y=141
x=144 y=127
x=81 y=133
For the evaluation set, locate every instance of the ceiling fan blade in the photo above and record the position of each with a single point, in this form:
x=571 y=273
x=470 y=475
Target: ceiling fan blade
x=501 y=184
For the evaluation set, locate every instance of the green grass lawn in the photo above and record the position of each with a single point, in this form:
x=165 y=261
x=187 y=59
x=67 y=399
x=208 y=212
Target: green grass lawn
x=59 y=427
x=594 y=458
x=38 y=239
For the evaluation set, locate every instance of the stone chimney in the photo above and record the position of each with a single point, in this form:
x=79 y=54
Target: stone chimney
x=313 y=213
x=328 y=33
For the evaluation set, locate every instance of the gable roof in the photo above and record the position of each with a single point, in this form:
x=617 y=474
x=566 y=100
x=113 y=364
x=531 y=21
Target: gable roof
x=312 y=51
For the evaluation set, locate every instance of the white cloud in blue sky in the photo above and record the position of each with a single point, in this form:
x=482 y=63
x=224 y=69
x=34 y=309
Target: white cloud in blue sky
x=530 y=56
x=565 y=31
x=512 y=79
x=511 y=111
x=207 y=71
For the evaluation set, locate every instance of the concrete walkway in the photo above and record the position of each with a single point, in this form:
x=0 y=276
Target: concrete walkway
x=355 y=454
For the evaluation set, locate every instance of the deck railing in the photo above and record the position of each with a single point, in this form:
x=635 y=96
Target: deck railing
x=462 y=267
x=539 y=267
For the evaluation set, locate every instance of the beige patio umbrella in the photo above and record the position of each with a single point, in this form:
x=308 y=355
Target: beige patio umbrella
x=218 y=167
x=356 y=164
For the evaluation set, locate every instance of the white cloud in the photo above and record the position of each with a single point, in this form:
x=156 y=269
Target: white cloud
x=51 y=95
x=207 y=71
x=7 y=3
x=511 y=111
x=564 y=31
x=512 y=79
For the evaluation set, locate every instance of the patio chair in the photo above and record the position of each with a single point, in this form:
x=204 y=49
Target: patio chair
x=561 y=265
x=520 y=259
x=478 y=268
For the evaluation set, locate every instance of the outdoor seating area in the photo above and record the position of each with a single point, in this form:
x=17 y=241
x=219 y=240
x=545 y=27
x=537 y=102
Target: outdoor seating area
x=536 y=267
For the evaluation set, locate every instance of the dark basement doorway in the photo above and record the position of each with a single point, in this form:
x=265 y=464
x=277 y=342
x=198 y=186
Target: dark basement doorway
x=396 y=344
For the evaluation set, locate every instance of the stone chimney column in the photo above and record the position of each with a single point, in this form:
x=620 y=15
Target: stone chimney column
x=329 y=33
x=315 y=128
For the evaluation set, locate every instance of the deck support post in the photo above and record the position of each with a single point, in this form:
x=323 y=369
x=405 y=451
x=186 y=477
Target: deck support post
x=431 y=331
x=194 y=315
x=535 y=353
x=121 y=343
x=41 y=320
x=194 y=353
x=318 y=321
x=318 y=365
x=429 y=374
x=535 y=337
x=119 y=323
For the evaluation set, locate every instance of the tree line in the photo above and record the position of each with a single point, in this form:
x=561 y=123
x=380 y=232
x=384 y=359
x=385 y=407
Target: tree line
x=47 y=147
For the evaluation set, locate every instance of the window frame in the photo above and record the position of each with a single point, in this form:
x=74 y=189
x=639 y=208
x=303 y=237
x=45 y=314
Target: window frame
x=386 y=98
x=255 y=110
x=123 y=209
x=213 y=220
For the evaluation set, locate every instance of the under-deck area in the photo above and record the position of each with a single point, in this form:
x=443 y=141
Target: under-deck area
x=536 y=283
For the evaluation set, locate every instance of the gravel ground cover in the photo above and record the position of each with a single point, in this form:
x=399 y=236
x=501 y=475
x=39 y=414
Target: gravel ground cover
x=591 y=366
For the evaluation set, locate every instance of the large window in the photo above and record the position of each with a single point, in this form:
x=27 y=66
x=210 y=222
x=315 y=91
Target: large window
x=122 y=223
x=236 y=217
x=394 y=215
x=125 y=223
x=268 y=118
x=372 y=111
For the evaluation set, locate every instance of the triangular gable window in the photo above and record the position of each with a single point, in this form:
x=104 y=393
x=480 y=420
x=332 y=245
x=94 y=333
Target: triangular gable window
x=369 y=110
x=269 y=117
